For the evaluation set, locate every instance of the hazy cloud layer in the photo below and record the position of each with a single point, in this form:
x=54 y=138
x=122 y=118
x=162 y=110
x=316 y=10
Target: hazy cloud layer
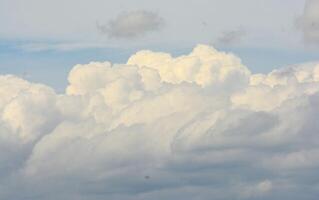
x=132 y=24
x=192 y=127
x=309 y=22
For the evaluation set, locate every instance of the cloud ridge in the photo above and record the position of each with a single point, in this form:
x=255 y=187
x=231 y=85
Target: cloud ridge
x=197 y=126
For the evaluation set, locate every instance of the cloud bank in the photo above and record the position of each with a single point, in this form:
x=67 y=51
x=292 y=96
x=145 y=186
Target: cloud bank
x=132 y=24
x=197 y=126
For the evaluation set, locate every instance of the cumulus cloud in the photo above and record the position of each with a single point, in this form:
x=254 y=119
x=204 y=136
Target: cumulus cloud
x=197 y=126
x=132 y=24
x=309 y=22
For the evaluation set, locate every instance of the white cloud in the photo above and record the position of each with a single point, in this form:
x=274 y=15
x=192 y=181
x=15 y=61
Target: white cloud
x=198 y=125
x=132 y=24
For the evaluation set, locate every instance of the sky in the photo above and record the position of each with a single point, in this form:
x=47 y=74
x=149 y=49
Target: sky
x=45 y=39
x=152 y=100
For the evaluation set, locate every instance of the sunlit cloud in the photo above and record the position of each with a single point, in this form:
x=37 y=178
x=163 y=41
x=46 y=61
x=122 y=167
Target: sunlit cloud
x=193 y=126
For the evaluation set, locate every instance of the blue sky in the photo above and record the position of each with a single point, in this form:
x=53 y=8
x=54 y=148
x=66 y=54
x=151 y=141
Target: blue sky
x=44 y=40
x=52 y=66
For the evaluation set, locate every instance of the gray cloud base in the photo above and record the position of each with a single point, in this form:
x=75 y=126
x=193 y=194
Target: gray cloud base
x=232 y=37
x=133 y=24
x=198 y=126
x=309 y=23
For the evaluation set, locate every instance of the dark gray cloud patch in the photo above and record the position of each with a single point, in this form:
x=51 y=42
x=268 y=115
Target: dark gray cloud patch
x=308 y=23
x=231 y=37
x=132 y=24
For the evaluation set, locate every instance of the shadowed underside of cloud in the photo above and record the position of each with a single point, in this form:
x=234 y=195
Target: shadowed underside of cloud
x=309 y=22
x=132 y=24
x=231 y=37
x=198 y=126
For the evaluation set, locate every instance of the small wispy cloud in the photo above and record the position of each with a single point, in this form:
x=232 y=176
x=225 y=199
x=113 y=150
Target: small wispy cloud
x=231 y=37
x=308 y=23
x=132 y=24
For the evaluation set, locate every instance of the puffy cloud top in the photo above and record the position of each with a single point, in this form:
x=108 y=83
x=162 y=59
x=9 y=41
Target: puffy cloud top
x=204 y=66
x=160 y=127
